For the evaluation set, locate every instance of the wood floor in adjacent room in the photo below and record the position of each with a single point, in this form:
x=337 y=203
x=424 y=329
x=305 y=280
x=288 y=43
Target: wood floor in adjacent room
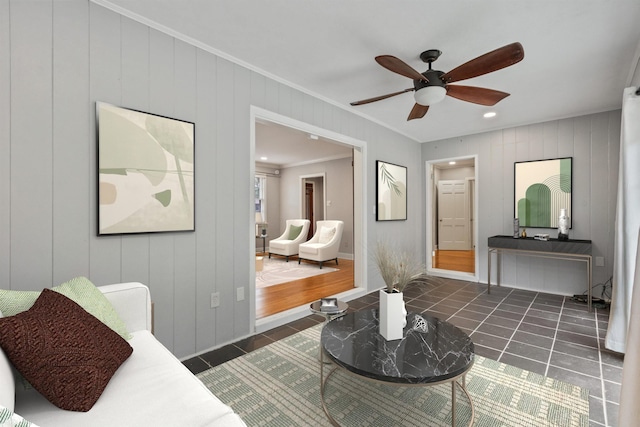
x=464 y=261
x=277 y=298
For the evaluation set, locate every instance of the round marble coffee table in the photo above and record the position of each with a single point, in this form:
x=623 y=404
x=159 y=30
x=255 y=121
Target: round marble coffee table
x=431 y=352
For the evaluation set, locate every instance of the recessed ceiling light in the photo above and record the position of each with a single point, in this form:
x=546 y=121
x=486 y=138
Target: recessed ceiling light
x=489 y=114
x=452 y=163
x=312 y=136
x=263 y=158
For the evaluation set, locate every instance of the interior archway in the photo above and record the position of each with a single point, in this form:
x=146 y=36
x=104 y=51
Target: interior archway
x=259 y=115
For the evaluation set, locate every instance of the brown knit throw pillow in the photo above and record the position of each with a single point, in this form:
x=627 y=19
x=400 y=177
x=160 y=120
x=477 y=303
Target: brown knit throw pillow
x=66 y=354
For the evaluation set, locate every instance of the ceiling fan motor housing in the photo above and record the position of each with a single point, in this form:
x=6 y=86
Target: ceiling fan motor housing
x=434 y=80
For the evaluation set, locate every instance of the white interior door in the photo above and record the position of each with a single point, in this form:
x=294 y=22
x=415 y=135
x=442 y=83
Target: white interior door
x=453 y=215
x=471 y=186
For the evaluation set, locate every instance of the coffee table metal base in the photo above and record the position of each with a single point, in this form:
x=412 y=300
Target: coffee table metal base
x=453 y=381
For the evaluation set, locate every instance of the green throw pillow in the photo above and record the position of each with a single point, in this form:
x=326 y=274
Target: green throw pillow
x=14 y=302
x=80 y=290
x=294 y=231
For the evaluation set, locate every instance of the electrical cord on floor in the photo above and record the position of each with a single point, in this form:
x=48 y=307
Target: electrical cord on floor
x=605 y=295
x=607 y=288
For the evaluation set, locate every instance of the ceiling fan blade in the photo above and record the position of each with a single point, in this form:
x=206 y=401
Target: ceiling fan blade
x=418 y=111
x=381 y=97
x=477 y=95
x=487 y=63
x=396 y=65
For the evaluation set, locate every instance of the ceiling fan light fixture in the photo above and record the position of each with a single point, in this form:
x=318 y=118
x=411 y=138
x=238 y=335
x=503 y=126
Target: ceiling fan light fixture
x=431 y=86
x=430 y=95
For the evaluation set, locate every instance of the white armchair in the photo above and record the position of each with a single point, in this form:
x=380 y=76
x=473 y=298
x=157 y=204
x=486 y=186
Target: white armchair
x=324 y=244
x=285 y=245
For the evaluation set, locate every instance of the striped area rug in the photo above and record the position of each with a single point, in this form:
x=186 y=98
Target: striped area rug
x=279 y=385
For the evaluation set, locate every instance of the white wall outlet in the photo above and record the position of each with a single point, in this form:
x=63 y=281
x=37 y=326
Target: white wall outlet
x=599 y=261
x=240 y=293
x=215 y=299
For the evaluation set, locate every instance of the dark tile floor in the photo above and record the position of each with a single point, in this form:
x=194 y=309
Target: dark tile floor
x=548 y=334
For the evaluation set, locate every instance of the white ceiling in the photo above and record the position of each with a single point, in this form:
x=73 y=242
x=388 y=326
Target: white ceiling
x=579 y=54
x=286 y=147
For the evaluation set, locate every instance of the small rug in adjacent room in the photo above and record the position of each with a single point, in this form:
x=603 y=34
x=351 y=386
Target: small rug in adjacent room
x=277 y=270
x=279 y=385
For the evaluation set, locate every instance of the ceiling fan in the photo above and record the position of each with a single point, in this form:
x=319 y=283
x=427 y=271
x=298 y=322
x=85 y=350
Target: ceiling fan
x=431 y=86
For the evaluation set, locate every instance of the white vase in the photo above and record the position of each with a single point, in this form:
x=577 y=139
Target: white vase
x=393 y=315
x=563 y=225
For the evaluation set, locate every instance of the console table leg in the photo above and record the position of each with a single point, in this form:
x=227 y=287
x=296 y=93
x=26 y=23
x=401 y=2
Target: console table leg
x=590 y=282
x=499 y=266
x=489 y=272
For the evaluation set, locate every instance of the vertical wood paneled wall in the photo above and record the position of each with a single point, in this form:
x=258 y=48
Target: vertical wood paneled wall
x=57 y=58
x=594 y=143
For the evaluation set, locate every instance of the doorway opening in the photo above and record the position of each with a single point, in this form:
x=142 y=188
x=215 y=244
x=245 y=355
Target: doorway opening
x=357 y=265
x=451 y=218
x=313 y=200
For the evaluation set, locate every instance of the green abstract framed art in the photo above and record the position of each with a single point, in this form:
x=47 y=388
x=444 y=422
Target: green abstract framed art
x=541 y=189
x=145 y=172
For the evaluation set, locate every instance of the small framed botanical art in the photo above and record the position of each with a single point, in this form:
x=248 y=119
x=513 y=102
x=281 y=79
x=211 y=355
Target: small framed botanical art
x=145 y=172
x=391 y=191
x=541 y=189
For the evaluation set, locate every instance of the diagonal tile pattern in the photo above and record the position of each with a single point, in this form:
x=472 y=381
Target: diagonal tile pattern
x=548 y=334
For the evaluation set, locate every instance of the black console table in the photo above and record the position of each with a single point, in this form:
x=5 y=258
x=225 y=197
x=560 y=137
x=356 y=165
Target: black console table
x=572 y=249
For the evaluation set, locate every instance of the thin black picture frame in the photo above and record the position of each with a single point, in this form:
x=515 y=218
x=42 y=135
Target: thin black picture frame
x=541 y=189
x=145 y=172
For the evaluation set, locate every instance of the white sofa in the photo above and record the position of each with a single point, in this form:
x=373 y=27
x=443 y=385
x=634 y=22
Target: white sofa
x=325 y=243
x=151 y=388
x=287 y=247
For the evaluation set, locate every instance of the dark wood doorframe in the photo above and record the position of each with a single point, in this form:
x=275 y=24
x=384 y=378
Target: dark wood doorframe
x=309 y=210
x=314 y=203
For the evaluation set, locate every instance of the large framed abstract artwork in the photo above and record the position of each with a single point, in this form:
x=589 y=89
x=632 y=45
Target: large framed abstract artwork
x=145 y=172
x=391 y=191
x=542 y=188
